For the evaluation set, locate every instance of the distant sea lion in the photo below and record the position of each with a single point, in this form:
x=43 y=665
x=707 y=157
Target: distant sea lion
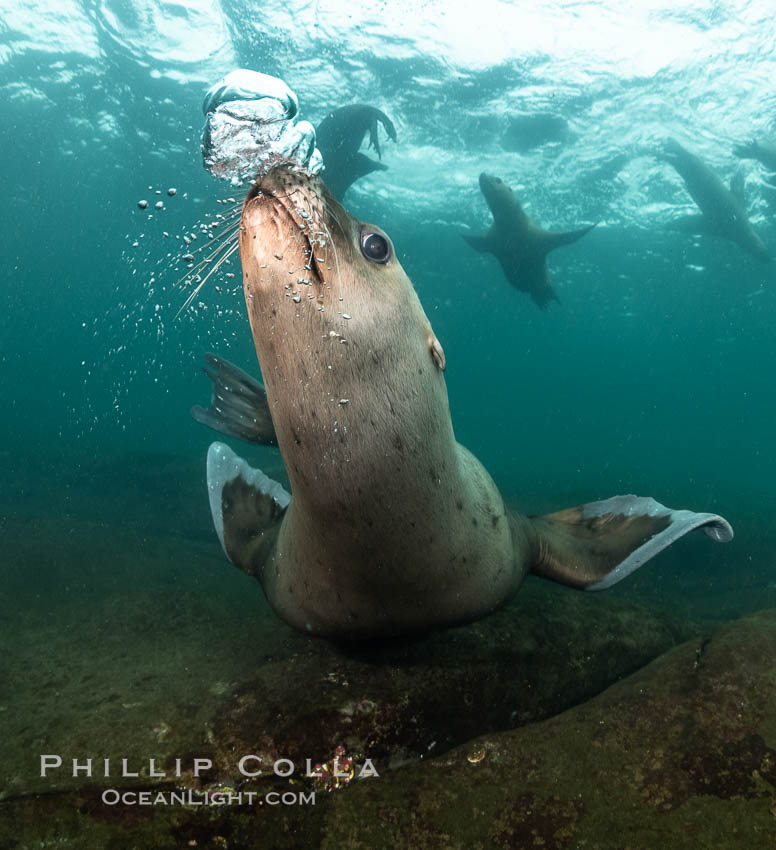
x=339 y=136
x=723 y=210
x=518 y=242
x=763 y=152
x=393 y=527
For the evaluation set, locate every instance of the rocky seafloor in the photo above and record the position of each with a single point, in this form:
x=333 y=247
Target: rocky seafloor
x=565 y=720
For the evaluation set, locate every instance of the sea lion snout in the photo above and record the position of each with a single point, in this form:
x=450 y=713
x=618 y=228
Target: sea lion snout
x=489 y=179
x=284 y=221
x=488 y=182
x=496 y=193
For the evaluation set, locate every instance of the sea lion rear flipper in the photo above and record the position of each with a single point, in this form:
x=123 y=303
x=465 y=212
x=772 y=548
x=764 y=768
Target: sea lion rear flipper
x=361 y=165
x=247 y=508
x=238 y=407
x=544 y=295
x=595 y=545
x=698 y=224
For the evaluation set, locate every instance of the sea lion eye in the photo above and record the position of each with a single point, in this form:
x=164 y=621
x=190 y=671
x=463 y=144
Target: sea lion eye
x=375 y=247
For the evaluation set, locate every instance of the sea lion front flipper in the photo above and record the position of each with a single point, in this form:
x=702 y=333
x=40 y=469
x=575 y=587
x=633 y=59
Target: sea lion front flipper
x=238 y=407
x=361 y=165
x=738 y=188
x=550 y=240
x=341 y=176
x=479 y=243
x=749 y=150
x=697 y=224
x=247 y=508
x=595 y=545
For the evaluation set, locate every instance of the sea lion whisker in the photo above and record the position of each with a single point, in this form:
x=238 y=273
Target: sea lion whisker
x=311 y=217
x=227 y=232
x=225 y=237
x=234 y=209
x=327 y=209
x=224 y=257
x=333 y=247
x=193 y=271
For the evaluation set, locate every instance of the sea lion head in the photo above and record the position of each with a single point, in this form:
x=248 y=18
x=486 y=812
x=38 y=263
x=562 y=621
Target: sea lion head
x=347 y=354
x=291 y=220
x=500 y=198
x=300 y=248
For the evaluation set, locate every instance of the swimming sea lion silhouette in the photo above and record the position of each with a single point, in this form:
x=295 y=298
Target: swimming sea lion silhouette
x=518 y=242
x=723 y=210
x=339 y=136
x=763 y=152
x=393 y=527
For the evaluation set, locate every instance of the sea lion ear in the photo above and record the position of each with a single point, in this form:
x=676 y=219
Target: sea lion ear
x=437 y=353
x=595 y=545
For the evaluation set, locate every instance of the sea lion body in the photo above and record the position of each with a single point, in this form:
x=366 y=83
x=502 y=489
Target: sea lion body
x=392 y=526
x=723 y=210
x=519 y=243
x=365 y=429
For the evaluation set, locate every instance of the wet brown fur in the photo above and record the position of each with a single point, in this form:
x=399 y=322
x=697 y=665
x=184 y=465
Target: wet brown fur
x=393 y=525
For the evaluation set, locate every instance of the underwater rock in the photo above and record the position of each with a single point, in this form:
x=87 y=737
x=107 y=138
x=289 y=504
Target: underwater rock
x=681 y=754
x=398 y=701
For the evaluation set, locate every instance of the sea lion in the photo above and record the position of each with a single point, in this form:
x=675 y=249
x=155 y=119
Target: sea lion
x=393 y=527
x=518 y=242
x=763 y=152
x=723 y=210
x=339 y=136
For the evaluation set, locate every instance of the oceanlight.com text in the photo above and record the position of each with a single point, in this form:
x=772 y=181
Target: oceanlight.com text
x=114 y=797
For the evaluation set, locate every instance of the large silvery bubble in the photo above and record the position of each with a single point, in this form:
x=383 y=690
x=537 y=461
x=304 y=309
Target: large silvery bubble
x=250 y=127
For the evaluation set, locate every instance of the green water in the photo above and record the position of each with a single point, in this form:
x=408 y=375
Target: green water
x=653 y=375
